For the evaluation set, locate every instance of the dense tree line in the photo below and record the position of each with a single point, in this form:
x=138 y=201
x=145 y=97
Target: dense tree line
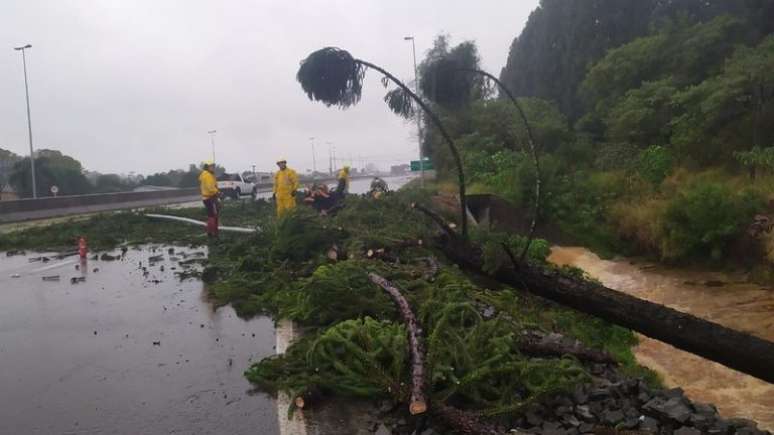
x=53 y=168
x=648 y=116
x=563 y=38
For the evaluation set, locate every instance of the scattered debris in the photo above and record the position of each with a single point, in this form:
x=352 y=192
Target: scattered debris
x=51 y=278
x=77 y=279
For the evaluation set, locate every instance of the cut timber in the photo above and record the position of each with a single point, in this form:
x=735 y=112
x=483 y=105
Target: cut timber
x=333 y=253
x=308 y=398
x=446 y=227
x=734 y=349
x=536 y=343
x=418 y=403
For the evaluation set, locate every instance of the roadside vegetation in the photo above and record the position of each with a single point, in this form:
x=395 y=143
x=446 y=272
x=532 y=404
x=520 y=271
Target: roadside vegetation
x=656 y=144
x=355 y=343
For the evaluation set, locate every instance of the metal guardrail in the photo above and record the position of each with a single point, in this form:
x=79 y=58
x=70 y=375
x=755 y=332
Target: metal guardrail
x=41 y=208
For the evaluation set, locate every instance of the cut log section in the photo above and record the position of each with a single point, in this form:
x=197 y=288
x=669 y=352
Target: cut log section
x=539 y=344
x=308 y=398
x=734 y=349
x=418 y=403
x=448 y=228
x=334 y=254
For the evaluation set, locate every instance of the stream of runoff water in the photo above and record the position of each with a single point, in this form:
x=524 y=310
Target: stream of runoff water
x=723 y=298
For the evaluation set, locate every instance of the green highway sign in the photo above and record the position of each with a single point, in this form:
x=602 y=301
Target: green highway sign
x=416 y=165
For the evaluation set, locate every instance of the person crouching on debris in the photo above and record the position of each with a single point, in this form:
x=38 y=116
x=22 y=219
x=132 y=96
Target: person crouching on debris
x=378 y=188
x=285 y=186
x=320 y=198
x=210 y=196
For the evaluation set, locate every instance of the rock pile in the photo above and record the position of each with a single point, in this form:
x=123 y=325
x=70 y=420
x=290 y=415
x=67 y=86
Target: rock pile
x=612 y=403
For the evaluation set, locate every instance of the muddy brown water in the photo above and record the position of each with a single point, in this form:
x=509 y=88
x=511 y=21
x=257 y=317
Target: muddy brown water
x=723 y=298
x=122 y=354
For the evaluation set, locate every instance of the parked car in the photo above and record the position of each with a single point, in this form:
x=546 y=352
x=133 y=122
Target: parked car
x=234 y=186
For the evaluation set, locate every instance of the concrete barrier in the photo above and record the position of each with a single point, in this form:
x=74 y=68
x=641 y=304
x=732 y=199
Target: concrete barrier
x=41 y=208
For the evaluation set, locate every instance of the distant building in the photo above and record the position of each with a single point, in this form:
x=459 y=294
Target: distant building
x=7 y=193
x=400 y=169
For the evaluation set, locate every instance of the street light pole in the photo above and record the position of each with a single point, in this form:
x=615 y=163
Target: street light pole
x=330 y=158
x=29 y=120
x=314 y=158
x=212 y=142
x=419 y=120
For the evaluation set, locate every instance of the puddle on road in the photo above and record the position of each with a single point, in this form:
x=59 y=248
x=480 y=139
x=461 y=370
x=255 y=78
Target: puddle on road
x=127 y=353
x=721 y=298
x=120 y=354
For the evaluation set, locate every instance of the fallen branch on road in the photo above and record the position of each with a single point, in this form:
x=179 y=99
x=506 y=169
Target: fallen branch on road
x=418 y=403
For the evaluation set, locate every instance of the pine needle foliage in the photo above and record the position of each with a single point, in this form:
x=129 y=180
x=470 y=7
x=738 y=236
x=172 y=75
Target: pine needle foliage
x=400 y=103
x=356 y=344
x=331 y=75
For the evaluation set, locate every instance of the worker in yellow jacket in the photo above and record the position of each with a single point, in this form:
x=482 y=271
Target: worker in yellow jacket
x=342 y=187
x=210 y=196
x=285 y=186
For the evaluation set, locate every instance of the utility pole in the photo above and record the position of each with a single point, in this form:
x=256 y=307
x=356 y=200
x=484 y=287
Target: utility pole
x=212 y=142
x=29 y=120
x=330 y=159
x=419 y=119
x=314 y=158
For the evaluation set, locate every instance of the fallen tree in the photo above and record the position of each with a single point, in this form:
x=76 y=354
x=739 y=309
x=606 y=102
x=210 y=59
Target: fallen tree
x=734 y=349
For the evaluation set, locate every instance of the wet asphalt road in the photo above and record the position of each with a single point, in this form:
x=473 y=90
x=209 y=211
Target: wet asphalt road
x=122 y=354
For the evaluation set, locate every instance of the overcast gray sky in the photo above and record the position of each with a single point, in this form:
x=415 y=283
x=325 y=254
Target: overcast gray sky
x=134 y=85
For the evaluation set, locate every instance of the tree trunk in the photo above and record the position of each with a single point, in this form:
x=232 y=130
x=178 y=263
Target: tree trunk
x=533 y=151
x=538 y=344
x=308 y=398
x=452 y=147
x=418 y=403
x=734 y=349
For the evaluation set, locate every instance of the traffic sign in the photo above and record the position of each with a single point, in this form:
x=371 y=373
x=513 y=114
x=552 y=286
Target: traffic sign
x=54 y=190
x=417 y=165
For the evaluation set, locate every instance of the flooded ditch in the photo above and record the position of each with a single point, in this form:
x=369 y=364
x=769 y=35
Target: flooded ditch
x=723 y=298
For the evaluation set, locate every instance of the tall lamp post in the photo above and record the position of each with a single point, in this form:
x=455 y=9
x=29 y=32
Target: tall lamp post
x=314 y=158
x=29 y=120
x=212 y=142
x=419 y=120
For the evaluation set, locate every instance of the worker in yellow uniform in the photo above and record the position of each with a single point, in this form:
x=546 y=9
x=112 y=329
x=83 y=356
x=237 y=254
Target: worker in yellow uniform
x=285 y=186
x=342 y=188
x=210 y=196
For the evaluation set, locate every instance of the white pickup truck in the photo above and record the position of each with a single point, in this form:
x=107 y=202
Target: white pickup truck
x=234 y=186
